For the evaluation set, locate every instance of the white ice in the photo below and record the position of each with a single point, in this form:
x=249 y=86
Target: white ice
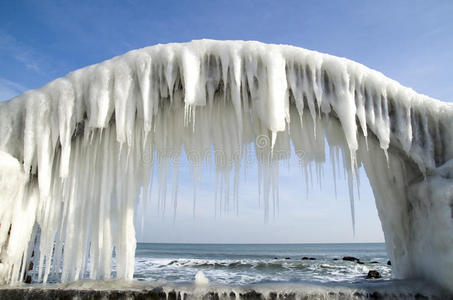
x=78 y=154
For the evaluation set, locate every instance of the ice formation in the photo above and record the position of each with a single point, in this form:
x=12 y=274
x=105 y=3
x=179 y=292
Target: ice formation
x=201 y=279
x=78 y=154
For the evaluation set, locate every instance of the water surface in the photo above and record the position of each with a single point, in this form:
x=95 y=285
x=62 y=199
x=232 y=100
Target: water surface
x=240 y=264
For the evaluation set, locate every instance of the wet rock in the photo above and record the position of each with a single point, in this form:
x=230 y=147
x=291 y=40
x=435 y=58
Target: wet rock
x=351 y=258
x=172 y=295
x=251 y=295
x=373 y=274
x=389 y=263
x=273 y=296
x=304 y=258
x=287 y=257
x=374 y=262
x=312 y=258
x=275 y=257
x=335 y=259
x=360 y=262
x=28 y=279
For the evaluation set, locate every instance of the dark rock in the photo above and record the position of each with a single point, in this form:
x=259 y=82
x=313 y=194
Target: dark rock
x=312 y=258
x=28 y=279
x=360 y=263
x=287 y=257
x=275 y=257
x=305 y=258
x=373 y=274
x=374 y=262
x=251 y=295
x=288 y=296
x=350 y=258
x=171 y=295
x=335 y=259
x=389 y=263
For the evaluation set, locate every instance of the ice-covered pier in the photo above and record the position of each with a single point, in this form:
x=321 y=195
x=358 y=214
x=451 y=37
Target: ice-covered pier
x=78 y=155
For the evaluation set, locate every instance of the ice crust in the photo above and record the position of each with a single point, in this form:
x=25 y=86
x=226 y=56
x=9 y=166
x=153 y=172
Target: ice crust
x=79 y=154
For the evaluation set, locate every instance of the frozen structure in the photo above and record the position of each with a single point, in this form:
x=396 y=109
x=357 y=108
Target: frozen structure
x=77 y=155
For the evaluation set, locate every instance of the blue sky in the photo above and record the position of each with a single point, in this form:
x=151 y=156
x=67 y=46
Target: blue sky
x=409 y=41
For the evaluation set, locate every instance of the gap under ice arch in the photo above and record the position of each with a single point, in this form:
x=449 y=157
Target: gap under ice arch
x=76 y=154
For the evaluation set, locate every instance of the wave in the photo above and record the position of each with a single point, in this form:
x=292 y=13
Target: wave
x=232 y=271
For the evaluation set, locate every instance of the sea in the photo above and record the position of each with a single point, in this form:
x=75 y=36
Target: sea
x=245 y=264
x=245 y=271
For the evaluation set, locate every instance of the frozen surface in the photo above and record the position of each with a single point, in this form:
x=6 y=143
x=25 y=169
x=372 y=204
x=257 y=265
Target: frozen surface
x=114 y=289
x=79 y=155
x=201 y=279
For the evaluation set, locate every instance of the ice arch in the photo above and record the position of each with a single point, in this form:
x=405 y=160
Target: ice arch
x=77 y=153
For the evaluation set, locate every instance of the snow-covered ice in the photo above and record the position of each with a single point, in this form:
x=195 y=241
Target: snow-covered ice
x=78 y=155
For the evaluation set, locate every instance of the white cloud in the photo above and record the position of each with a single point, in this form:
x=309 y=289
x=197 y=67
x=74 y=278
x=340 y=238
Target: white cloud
x=10 y=89
x=10 y=46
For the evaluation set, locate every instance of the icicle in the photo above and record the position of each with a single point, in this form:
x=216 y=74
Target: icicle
x=175 y=189
x=194 y=183
x=351 y=198
x=78 y=154
x=332 y=160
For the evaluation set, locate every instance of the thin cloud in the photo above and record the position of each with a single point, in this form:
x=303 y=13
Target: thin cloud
x=11 y=47
x=10 y=89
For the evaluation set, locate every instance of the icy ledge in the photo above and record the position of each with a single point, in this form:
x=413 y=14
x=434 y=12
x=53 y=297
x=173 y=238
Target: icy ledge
x=78 y=154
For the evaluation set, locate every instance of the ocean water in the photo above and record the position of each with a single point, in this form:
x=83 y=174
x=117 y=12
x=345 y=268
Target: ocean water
x=270 y=271
x=241 y=264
